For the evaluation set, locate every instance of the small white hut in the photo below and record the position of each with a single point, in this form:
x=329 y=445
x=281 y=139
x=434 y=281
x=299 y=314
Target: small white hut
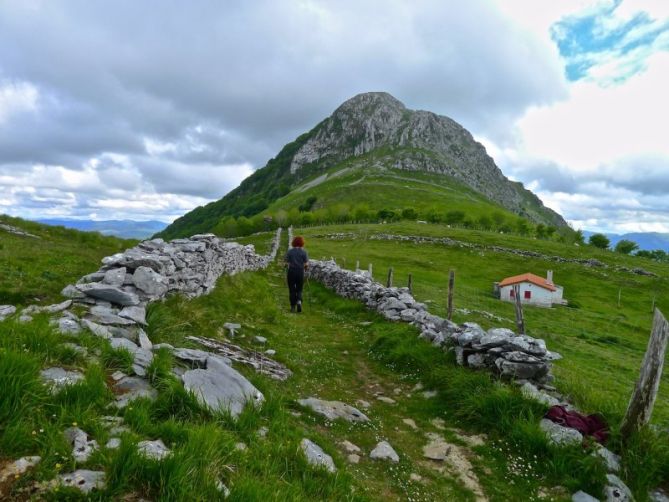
x=534 y=290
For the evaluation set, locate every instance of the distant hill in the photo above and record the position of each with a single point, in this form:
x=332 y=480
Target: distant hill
x=648 y=241
x=127 y=229
x=373 y=133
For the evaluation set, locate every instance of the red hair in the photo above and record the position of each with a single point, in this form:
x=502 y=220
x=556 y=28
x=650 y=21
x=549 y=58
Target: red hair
x=298 y=242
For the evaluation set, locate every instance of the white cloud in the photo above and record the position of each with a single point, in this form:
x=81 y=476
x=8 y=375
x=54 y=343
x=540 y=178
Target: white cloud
x=16 y=97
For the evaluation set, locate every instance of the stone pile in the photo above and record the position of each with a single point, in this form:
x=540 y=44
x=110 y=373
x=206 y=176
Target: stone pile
x=498 y=349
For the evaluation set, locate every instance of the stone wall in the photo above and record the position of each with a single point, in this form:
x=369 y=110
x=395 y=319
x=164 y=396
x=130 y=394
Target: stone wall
x=499 y=349
x=447 y=241
x=115 y=296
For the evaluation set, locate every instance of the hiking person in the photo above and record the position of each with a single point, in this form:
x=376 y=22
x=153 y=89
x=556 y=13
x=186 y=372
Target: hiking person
x=297 y=261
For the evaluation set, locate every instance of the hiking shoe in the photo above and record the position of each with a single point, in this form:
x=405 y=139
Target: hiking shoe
x=299 y=306
x=292 y=308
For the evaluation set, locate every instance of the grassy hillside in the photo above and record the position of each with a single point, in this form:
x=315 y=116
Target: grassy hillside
x=602 y=342
x=356 y=184
x=336 y=350
x=35 y=269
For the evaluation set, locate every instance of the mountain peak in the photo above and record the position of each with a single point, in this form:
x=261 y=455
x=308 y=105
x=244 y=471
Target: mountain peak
x=369 y=101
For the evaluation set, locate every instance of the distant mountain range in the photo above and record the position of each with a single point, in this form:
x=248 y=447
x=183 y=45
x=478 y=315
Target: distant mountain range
x=127 y=229
x=649 y=241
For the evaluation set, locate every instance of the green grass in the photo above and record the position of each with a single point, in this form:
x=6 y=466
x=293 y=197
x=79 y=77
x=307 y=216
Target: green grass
x=36 y=270
x=339 y=350
x=602 y=344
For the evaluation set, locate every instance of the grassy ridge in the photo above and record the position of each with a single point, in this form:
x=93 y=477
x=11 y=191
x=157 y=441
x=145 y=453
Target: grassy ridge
x=37 y=269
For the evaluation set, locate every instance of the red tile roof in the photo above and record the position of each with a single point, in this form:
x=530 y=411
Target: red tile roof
x=528 y=277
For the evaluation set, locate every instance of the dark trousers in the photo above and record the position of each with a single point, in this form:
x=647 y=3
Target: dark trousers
x=295 y=283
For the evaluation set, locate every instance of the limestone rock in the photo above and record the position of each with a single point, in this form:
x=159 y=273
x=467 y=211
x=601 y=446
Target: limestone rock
x=155 y=450
x=557 y=434
x=316 y=456
x=383 y=451
x=131 y=388
x=149 y=281
x=67 y=326
x=610 y=459
x=349 y=447
x=82 y=447
x=144 y=342
x=83 y=480
x=581 y=496
x=18 y=467
x=57 y=378
x=334 y=410
x=6 y=311
x=97 y=329
x=113 y=443
x=135 y=313
x=220 y=386
x=115 y=277
x=616 y=490
x=109 y=293
x=437 y=448
x=530 y=391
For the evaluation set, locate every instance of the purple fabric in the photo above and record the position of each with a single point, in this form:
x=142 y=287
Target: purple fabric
x=591 y=425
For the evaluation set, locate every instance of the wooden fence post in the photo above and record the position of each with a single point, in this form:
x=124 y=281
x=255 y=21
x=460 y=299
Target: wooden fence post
x=370 y=270
x=357 y=265
x=410 y=283
x=640 y=407
x=389 y=282
x=520 y=322
x=451 y=285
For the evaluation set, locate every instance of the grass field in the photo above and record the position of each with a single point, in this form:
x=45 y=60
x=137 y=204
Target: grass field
x=37 y=269
x=339 y=350
x=602 y=343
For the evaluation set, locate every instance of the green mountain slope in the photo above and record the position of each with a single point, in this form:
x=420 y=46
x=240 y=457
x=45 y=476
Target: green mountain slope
x=373 y=131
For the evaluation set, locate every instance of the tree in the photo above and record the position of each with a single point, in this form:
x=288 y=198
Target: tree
x=409 y=213
x=361 y=212
x=522 y=227
x=386 y=214
x=499 y=219
x=308 y=204
x=600 y=241
x=579 y=238
x=550 y=231
x=484 y=222
x=433 y=215
x=455 y=217
x=626 y=246
x=540 y=231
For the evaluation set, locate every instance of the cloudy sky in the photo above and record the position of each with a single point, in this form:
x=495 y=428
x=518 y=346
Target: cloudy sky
x=144 y=110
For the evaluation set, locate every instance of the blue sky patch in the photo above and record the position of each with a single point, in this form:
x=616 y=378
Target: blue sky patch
x=585 y=40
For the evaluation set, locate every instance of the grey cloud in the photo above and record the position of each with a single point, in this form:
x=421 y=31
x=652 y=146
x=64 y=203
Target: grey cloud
x=226 y=83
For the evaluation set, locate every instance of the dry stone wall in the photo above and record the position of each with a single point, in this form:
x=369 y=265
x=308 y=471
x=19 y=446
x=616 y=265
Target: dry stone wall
x=447 y=241
x=498 y=349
